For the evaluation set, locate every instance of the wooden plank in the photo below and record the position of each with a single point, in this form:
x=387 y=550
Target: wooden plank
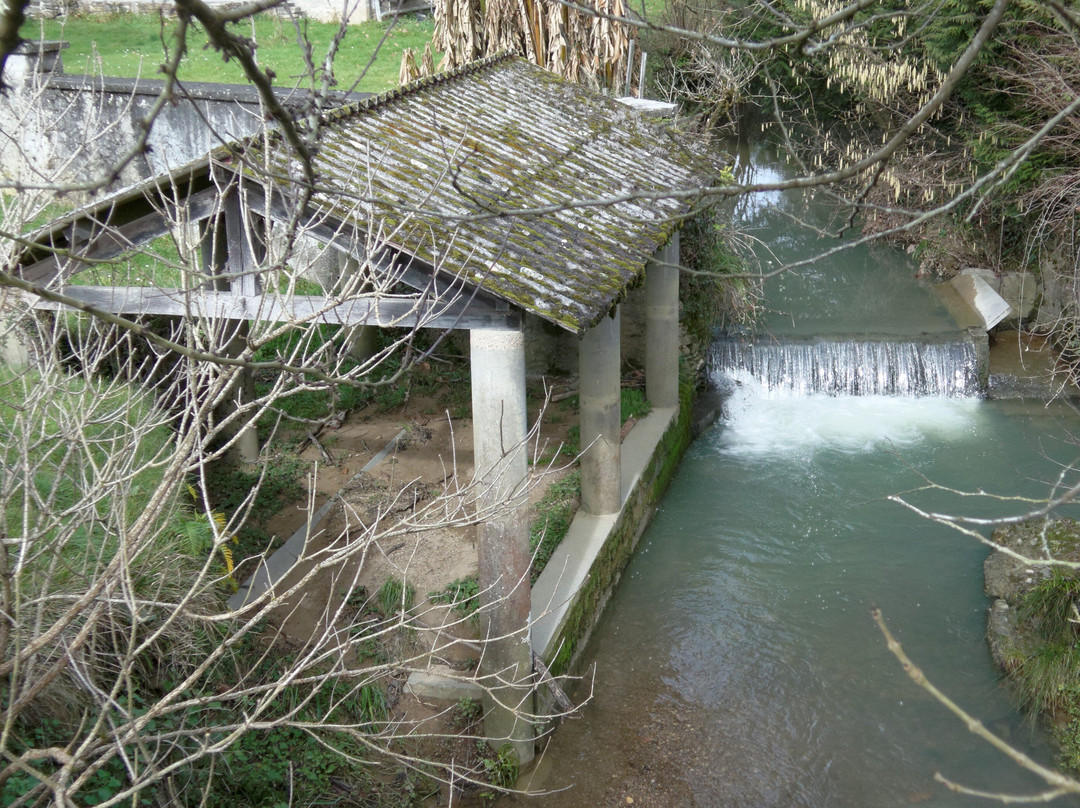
x=386 y=312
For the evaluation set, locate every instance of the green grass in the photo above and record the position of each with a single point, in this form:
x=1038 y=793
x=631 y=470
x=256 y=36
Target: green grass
x=131 y=45
x=395 y=596
x=633 y=404
x=554 y=513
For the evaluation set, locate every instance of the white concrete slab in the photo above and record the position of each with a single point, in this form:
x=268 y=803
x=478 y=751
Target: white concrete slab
x=442 y=682
x=650 y=108
x=990 y=307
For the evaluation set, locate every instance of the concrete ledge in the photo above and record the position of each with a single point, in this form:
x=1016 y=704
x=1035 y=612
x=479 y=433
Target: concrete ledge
x=990 y=307
x=572 y=590
x=650 y=108
x=570 y=594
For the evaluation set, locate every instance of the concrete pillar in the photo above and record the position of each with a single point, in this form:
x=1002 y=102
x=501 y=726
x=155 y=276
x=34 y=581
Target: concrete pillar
x=599 y=402
x=662 y=326
x=232 y=253
x=360 y=339
x=497 y=360
x=13 y=340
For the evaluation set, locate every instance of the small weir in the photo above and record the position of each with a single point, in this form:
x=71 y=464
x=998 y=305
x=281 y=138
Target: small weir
x=941 y=365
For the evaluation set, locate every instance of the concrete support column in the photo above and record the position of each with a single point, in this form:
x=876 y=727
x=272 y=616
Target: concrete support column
x=360 y=339
x=232 y=252
x=13 y=339
x=599 y=394
x=499 y=426
x=662 y=326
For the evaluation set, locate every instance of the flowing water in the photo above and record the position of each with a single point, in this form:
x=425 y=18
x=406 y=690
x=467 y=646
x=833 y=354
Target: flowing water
x=737 y=663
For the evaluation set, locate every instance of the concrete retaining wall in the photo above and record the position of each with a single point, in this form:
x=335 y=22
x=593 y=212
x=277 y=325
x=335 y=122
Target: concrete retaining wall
x=73 y=129
x=581 y=576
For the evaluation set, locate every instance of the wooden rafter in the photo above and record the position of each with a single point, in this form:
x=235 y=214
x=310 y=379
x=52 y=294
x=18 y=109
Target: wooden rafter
x=106 y=231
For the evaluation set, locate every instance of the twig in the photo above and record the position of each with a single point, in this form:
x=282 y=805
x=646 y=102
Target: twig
x=1059 y=782
x=546 y=678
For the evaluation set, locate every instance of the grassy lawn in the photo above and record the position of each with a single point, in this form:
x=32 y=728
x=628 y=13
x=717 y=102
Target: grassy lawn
x=129 y=45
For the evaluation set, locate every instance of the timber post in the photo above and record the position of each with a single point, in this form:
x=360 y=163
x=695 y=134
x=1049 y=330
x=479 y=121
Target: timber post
x=497 y=359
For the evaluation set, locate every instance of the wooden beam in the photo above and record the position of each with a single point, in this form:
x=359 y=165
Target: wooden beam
x=106 y=241
x=386 y=312
x=424 y=279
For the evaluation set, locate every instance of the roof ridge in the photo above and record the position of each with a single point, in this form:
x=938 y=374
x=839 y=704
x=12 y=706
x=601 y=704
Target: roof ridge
x=414 y=86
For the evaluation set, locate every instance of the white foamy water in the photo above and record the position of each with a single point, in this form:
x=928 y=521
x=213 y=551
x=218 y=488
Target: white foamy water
x=761 y=422
x=924 y=367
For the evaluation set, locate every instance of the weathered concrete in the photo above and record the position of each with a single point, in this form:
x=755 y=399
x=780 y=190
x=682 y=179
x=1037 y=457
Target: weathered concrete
x=14 y=342
x=497 y=361
x=73 y=128
x=650 y=108
x=577 y=582
x=990 y=307
x=662 y=326
x=1018 y=289
x=573 y=559
x=443 y=682
x=1024 y=365
x=599 y=399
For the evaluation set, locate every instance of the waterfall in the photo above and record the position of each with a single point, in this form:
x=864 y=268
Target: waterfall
x=932 y=366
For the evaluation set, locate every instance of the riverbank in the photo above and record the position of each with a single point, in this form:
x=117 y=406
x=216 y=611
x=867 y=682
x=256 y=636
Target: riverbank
x=1033 y=625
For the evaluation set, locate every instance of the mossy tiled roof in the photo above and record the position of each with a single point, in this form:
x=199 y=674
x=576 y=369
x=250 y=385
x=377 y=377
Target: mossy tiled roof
x=445 y=166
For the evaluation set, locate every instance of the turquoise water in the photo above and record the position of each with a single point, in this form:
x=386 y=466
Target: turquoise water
x=737 y=664
x=738 y=660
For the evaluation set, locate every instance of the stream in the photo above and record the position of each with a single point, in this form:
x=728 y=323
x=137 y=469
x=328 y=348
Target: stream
x=737 y=663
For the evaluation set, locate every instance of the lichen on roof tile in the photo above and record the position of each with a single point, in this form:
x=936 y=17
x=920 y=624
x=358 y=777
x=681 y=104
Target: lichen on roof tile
x=492 y=163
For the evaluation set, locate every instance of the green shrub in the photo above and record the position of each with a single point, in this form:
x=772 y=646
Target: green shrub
x=1049 y=678
x=500 y=769
x=1051 y=607
x=633 y=404
x=462 y=595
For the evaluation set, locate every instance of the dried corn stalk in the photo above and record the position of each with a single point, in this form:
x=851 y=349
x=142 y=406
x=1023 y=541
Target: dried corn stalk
x=580 y=46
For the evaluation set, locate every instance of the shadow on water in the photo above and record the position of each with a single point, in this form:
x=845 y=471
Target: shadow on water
x=737 y=664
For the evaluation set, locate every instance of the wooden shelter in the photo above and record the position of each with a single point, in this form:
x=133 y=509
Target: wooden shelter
x=492 y=191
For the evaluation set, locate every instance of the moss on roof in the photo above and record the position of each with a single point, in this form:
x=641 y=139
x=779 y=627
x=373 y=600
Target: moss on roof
x=541 y=191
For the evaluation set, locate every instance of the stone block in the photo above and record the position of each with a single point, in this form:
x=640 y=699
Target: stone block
x=441 y=682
